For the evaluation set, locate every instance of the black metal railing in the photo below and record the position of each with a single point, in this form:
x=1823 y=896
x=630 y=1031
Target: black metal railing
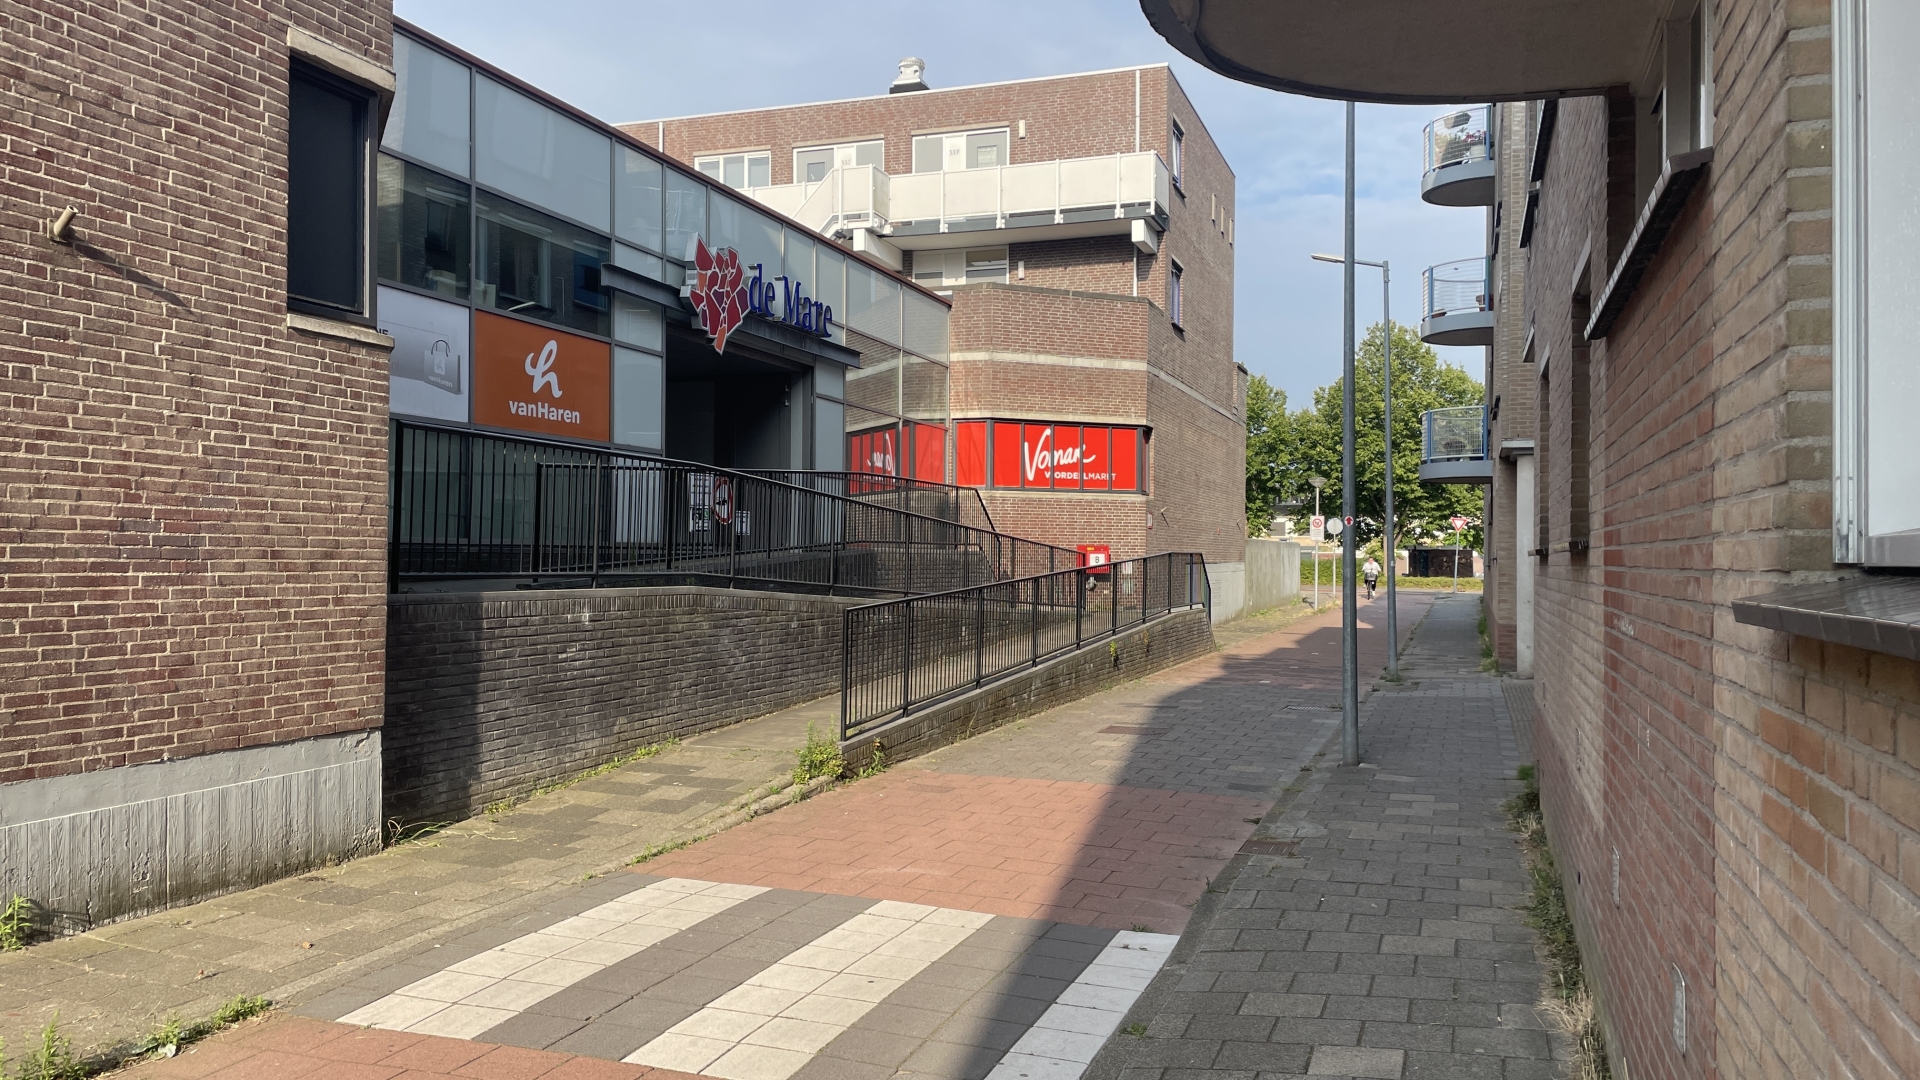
x=469 y=505
x=901 y=655
x=947 y=501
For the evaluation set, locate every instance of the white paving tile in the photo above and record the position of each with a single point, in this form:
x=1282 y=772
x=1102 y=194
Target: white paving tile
x=758 y=1063
x=461 y=1021
x=1029 y=1067
x=393 y=1012
x=1066 y=1037
x=511 y=994
x=448 y=986
x=1080 y=1019
x=686 y=1053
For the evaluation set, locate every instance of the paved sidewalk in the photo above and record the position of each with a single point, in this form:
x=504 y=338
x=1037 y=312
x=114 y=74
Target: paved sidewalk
x=1387 y=943
x=992 y=909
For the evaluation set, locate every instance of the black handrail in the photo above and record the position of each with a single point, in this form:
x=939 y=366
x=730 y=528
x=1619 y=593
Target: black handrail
x=472 y=505
x=901 y=655
x=930 y=497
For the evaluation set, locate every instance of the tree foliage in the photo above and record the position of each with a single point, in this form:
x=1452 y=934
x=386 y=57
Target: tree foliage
x=1284 y=449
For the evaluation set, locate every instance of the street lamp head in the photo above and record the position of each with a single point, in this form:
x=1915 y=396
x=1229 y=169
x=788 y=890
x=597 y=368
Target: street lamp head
x=1319 y=257
x=1317 y=481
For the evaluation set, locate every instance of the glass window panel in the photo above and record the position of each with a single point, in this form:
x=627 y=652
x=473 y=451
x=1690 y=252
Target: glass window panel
x=923 y=389
x=876 y=385
x=753 y=234
x=1096 y=468
x=930 y=268
x=829 y=436
x=709 y=166
x=423 y=232
x=636 y=199
x=686 y=214
x=873 y=304
x=536 y=154
x=540 y=267
x=1126 y=459
x=830 y=379
x=639 y=397
x=638 y=323
x=326 y=192
x=987 y=151
x=970 y=455
x=986 y=264
x=830 y=285
x=812 y=166
x=759 y=170
x=797 y=263
x=869 y=153
x=428 y=121
x=733 y=170
x=639 y=262
x=926 y=326
x=928 y=150
x=1007 y=466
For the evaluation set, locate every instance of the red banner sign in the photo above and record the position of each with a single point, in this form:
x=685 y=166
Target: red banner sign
x=915 y=451
x=1055 y=457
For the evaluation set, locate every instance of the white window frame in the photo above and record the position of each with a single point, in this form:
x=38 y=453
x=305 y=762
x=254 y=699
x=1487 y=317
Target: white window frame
x=951 y=259
x=1876 y=391
x=835 y=149
x=1179 y=154
x=943 y=136
x=747 y=157
x=1174 y=298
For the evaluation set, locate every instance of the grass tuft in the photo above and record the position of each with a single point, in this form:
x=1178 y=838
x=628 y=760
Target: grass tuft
x=172 y=1036
x=820 y=757
x=54 y=1060
x=16 y=923
x=1546 y=910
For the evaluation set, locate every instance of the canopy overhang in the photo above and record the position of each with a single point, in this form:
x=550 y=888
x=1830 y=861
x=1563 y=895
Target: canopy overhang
x=1416 y=52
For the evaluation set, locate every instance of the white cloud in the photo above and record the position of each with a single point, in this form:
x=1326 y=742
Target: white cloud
x=627 y=61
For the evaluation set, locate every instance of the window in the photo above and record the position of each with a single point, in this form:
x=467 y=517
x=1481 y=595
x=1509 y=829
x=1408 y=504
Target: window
x=636 y=200
x=428 y=122
x=938 y=269
x=1179 y=153
x=1876 y=283
x=686 y=213
x=1173 y=291
x=810 y=166
x=424 y=229
x=1055 y=457
x=540 y=267
x=539 y=156
x=327 y=220
x=639 y=399
x=960 y=150
x=738 y=171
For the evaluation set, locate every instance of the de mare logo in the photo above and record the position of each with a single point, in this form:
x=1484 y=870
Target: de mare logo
x=537 y=379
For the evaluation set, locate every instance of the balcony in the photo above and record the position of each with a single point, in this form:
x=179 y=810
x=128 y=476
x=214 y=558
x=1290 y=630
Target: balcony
x=1459 y=166
x=1118 y=194
x=1458 y=306
x=1453 y=446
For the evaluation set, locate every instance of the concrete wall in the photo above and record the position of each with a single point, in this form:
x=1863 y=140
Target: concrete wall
x=492 y=694
x=1273 y=574
x=95 y=846
x=1227 y=589
x=1168 y=641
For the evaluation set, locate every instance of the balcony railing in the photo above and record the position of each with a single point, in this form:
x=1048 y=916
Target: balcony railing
x=1459 y=138
x=1458 y=288
x=1116 y=188
x=1456 y=434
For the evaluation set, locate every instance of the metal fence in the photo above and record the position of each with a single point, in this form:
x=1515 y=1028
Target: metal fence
x=468 y=505
x=932 y=499
x=1454 y=434
x=901 y=655
x=1457 y=138
x=1457 y=288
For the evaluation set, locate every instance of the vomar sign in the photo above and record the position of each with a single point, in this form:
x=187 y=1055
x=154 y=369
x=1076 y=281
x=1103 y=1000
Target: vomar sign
x=723 y=292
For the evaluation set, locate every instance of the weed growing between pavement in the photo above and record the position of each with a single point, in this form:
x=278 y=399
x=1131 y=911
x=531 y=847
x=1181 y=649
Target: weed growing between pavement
x=820 y=757
x=654 y=851
x=1488 y=661
x=54 y=1059
x=1136 y=1029
x=172 y=1036
x=493 y=810
x=16 y=923
x=399 y=832
x=1571 y=1002
x=875 y=765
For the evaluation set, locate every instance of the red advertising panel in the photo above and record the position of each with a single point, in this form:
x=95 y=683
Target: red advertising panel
x=1096 y=470
x=1006 y=455
x=929 y=460
x=874 y=452
x=971 y=461
x=532 y=378
x=1126 y=459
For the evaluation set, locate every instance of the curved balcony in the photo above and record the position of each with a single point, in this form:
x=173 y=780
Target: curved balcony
x=1458 y=306
x=1459 y=166
x=1453 y=446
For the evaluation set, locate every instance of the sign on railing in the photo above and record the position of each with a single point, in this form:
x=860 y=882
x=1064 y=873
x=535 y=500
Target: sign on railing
x=901 y=655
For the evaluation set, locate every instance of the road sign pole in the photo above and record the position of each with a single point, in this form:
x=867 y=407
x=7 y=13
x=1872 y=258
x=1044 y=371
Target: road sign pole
x=1349 y=598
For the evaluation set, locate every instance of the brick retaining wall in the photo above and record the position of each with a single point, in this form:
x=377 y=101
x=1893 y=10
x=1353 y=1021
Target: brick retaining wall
x=490 y=695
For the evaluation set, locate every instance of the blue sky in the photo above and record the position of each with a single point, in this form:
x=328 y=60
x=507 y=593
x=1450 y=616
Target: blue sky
x=639 y=60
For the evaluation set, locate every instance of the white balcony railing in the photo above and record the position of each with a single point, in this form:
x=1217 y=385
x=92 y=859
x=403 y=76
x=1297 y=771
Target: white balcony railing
x=1459 y=138
x=1118 y=187
x=1457 y=288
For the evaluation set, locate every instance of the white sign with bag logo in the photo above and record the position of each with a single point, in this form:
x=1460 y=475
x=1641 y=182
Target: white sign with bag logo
x=428 y=375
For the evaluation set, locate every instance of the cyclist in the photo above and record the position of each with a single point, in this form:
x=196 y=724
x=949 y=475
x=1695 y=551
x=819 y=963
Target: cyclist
x=1371 y=574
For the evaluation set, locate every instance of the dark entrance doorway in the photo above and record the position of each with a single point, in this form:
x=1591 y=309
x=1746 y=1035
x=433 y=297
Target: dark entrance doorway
x=735 y=410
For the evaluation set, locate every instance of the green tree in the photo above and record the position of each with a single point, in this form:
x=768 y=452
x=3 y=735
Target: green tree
x=1420 y=382
x=1271 y=451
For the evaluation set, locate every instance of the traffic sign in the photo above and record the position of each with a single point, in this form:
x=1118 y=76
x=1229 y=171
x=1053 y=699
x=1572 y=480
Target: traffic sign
x=1317 y=528
x=722 y=500
x=1458 y=523
x=1334 y=527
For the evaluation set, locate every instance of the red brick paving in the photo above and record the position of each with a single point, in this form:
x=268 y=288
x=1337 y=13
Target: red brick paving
x=1094 y=854
x=292 y=1046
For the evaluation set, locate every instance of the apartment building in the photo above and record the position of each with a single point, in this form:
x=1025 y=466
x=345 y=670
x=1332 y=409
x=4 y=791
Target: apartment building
x=1083 y=228
x=1717 y=247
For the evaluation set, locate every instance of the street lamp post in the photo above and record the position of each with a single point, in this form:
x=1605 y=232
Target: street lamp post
x=1386 y=407
x=1349 y=596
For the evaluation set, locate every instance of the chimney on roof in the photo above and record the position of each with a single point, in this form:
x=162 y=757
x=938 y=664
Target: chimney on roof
x=911 y=71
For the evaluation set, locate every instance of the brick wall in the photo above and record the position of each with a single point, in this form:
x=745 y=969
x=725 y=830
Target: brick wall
x=490 y=695
x=192 y=496
x=1511 y=380
x=1763 y=791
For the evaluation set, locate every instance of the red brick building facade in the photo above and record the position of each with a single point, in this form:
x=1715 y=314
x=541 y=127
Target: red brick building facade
x=1064 y=330
x=192 y=475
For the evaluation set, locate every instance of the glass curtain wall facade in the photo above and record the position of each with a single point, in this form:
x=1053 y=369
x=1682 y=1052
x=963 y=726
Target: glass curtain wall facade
x=496 y=213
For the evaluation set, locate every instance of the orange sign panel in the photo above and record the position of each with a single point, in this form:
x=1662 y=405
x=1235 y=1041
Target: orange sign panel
x=533 y=378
